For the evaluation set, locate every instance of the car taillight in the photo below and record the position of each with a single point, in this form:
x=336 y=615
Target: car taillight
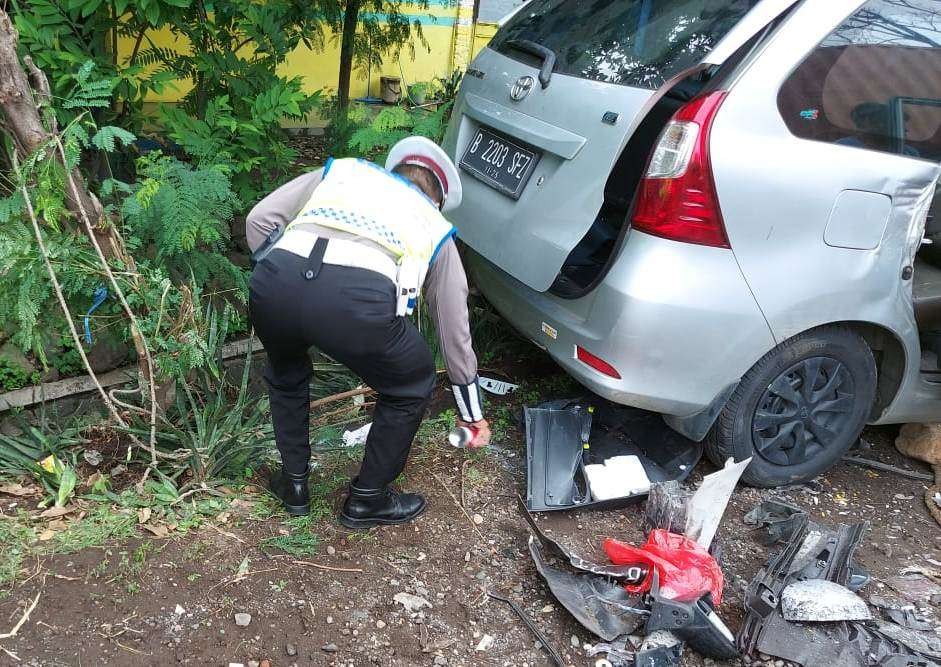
x=597 y=363
x=677 y=197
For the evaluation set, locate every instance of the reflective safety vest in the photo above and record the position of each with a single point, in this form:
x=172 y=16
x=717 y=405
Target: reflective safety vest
x=364 y=199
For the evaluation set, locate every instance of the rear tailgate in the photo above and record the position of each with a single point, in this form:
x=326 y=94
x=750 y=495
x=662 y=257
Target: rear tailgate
x=612 y=57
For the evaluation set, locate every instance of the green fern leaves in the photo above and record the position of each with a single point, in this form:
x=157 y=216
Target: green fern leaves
x=180 y=215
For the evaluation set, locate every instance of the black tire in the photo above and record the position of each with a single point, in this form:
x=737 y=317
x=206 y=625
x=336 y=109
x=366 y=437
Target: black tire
x=793 y=436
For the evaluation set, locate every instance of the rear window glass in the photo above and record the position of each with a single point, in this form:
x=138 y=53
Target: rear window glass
x=640 y=43
x=874 y=83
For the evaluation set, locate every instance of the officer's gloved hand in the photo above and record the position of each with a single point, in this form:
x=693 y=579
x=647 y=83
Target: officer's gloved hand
x=481 y=430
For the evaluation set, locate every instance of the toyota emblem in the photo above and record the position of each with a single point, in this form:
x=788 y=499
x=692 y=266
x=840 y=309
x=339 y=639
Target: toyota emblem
x=522 y=88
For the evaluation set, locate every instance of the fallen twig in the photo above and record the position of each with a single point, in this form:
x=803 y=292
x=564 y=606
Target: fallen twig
x=463 y=511
x=879 y=465
x=226 y=533
x=238 y=578
x=11 y=654
x=326 y=567
x=23 y=618
x=556 y=658
x=463 y=466
x=359 y=391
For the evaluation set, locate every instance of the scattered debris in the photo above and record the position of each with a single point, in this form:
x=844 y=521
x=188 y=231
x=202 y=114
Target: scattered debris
x=776 y=521
x=412 y=603
x=600 y=605
x=922 y=643
x=683 y=569
x=565 y=437
x=906 y=616
x=666 y=507
x=708 y=504
x=357 y=437
x=672 y=580
x=92 y=457
x=695 y=623
x=822 y=600
x=819 y=554
x=879 y=465
x=243 y=620
x=619 y=653
x=497 y=387
x=659 y=649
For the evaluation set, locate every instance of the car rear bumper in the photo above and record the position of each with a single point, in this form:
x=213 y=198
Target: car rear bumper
x=677 y=321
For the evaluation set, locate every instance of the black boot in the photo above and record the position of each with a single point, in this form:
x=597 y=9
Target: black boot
x=292 y=491
x=365 y=508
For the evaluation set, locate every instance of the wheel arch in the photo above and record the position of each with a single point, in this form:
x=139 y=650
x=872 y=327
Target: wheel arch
x=891 y=361
x=891 y=364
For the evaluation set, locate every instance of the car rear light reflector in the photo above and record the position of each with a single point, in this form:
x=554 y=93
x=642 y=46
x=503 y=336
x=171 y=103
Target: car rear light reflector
x=677 y=197
x=671 y=156
x=597 y=363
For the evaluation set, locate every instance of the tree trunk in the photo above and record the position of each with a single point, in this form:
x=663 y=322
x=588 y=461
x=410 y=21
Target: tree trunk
x=20 y=117
x=347 y=40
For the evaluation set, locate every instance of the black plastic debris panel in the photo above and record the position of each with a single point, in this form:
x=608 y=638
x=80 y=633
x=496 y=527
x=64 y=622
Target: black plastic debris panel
x=562 y=437
x=598 y=603
x=817 y=552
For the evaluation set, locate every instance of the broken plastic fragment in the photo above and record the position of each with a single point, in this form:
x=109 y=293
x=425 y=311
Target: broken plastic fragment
x=708 y=504
x=780 y=521
x=357 y=437
x=497 y=387
x=602 y=607
x=822 y=600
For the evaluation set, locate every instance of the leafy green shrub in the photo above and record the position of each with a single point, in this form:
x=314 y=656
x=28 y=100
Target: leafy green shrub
x=373 y=137
x=15 y=377
x=242 y=137
x=179 y=216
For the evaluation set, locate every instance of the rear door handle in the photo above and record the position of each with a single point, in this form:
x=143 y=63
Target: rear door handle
x=540 y=51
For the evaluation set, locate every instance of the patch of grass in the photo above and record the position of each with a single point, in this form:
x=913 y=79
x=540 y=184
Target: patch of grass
x=101 y=525
x=16 y=536
x=302 y=543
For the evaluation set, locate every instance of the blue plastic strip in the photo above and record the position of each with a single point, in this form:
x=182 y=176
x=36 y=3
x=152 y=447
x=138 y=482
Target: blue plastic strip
x=326 y=167
x=450 y=235
x=101 y=293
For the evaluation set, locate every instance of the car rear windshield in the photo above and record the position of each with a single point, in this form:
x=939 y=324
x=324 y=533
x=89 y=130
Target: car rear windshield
x=639 y=43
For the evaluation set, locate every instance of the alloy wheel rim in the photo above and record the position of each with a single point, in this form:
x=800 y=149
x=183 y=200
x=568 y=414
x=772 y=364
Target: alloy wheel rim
x=803 y=411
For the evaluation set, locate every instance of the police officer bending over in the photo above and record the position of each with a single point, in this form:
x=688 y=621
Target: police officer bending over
x=358 y=244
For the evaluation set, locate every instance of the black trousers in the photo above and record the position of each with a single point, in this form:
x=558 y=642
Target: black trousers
x=349 y=314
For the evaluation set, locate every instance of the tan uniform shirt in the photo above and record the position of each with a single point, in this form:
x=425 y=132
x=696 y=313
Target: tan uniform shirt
x=445 y=285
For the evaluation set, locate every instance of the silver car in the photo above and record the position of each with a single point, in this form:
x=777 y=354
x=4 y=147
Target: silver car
x=719 y=210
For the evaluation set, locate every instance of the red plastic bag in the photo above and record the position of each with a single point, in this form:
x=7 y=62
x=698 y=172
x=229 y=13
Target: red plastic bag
x=687 y=571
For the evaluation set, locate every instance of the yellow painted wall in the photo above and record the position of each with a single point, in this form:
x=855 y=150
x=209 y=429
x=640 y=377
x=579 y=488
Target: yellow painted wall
x=448 y=27
x=483 y=33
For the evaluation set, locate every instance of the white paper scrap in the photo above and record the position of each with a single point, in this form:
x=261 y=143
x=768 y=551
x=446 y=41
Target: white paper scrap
x=357 y=437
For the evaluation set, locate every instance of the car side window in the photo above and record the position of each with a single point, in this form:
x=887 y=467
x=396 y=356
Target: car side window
x=874 y=83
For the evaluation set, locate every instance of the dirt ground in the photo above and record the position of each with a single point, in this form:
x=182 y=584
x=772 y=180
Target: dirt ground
x=173 y=601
